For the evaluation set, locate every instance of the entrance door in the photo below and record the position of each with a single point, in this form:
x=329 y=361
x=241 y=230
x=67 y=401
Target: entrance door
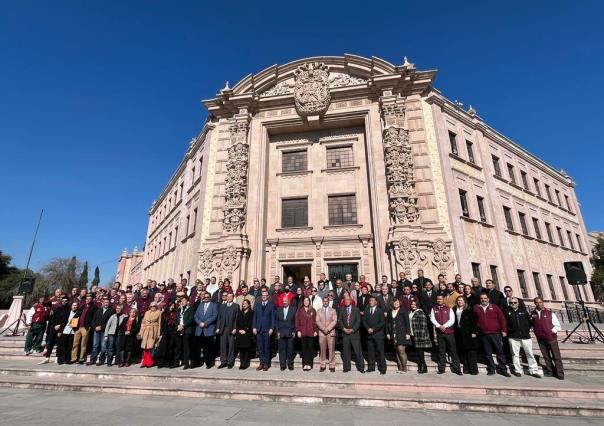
x=339 y=270
x=297 y=271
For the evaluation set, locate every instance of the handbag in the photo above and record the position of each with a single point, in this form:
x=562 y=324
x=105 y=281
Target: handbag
x=74 y=322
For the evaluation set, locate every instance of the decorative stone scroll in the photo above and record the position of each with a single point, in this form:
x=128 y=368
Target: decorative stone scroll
x=441 y=255
x=311 y=90
x=224 y=263
x=399 y=163
x=409 y=255
x=336 y=80
x=234 y=208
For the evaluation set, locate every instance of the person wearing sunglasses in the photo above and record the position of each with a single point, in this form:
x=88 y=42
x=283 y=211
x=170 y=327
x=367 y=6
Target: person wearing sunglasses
x=519 y=336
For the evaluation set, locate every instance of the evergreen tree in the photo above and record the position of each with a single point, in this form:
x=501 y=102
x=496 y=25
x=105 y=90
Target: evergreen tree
x=597 y=261
x=97 y=276
x=84 y=276
x=72 y=265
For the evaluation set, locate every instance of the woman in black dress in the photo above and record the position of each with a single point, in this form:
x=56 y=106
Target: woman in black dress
x=398 y=331
x=471 y=298
x=243 y=338
x=466 y=335
x=167 y=337
x=127 y=337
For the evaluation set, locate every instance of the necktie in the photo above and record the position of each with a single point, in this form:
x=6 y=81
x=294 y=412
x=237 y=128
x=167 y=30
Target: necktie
x=325 y=314
x=372 y=311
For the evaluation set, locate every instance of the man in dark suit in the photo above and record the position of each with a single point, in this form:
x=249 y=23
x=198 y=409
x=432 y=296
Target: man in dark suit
x=427 y=301
x=383 y=300
x=403 y=281
x=509 y=295
x=226 y=329
x=205 y=318
x=421 y=281
x=374 y=323
x=264 y=324
x=407 y=298
x=99 y=322
x=185 y=318
x=349 y=321
x=338 y=291
x=285 y=318
x=495 y=296
x=395 y=291
x=363 y=300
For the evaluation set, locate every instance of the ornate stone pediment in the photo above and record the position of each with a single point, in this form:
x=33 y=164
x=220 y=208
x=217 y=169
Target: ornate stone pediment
x=336 y=80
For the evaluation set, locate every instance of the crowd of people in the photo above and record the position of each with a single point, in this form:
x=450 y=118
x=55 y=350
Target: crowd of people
x=171 y=325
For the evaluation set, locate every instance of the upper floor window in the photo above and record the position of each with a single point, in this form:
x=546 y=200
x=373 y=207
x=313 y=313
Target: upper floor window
x=523 y=226
x=548 y=229
x=560 y=235
x=481 y=209
x=496 y=165
x=570 y=240
x=525 y=184
x=511 y=174
x=464 y=203
x=537 y=284
x=453 y=142
x=470 y=149
x=294 y=212
x=549 y=193
x=558 y=198
x=339 y=157
x=537 y=186
x=342 y=209
x=537 y=228
x=294 y=161
x=507 y=213
x=579 y=243
x=567 y=200
x=522 y=282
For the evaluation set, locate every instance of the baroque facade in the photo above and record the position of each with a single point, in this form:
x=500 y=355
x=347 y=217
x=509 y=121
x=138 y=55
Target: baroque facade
x=352 y=164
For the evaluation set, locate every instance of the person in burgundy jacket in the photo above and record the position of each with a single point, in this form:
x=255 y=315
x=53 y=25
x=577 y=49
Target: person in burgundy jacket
x=546 y=327
x=443 y=319
x=493 y=326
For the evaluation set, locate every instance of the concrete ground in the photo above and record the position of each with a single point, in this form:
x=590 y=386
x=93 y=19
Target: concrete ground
x=33 y=407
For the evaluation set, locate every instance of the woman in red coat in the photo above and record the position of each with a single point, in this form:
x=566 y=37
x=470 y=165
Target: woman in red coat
x=306 y=327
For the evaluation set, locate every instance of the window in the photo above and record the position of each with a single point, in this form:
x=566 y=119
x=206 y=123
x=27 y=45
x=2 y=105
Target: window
x=294 y=212
x=548 y=192
x=494 y=276
x=194 y=219
x=537 y=187
x=537 y=229
x=187 y=225
x=476 y=271
x=470 y=149
x=537 y=284
x=342 y=209
x=524 y=180
x=552 y=290
x=560 y=235
x=579 y=244
x=294 y=161
x=511 y=173
x=523 y=226
x=522 y=282
x=548 y=229
x=569 y=238
x=464 y=203
x=496 y=165
x=481 y=210
x=192 y=175
x=170 y=240
x=576 y=291
x=558 y=197
x=339 y=157
x=567 y=201
x=507 y=212
x=563 y=285
x=181 y=189
x=175 y=235
x=175 y=195
x=453 y=143
x=200 y=165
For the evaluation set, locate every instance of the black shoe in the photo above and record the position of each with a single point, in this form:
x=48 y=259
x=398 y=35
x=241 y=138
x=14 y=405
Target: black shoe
x=362 y=371
x=440 y=372
x=322 y=369
x=537 y=376
x=560 y=377
x=283 y=368
x=186 y=367
x=290 y=368
x=370 y=370
x=221 y=366
x=383 y=372
x=459 y=373
x=230 y=367
x=517 y=374
x=109 y=364
x=490 y=373
x=332 y=369
x=209 y=366
x=346 y=370
x=505 y=374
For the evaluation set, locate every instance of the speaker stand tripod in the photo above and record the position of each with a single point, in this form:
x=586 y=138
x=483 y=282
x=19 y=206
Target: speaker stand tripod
x=594 y=334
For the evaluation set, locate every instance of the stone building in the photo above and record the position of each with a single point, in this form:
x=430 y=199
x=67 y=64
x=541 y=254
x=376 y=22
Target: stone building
x=130 y=267
x=353 y=164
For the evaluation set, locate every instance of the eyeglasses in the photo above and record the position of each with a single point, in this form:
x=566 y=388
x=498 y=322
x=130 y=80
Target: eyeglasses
x=508 y=291
x=513 y=303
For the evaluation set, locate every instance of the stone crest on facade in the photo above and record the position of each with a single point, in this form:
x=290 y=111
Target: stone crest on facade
x=222 y=263
x=311 y=90
x=441 y=255
x=409 y=255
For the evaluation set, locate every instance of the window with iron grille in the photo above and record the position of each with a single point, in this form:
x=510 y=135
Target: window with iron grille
x=507 y=213
x=470 y=148
x=523 y=226
x=511 y=173
x=537 y=229
x=522 y=282
x=481 y=209
x=548 y=228
x=563 y=285
x=537 y=284
x=342 y=209
x=537 y=187
x=453 y=142
x=476 y=271
x=494 y=275
x=339 y=157
x=496 y=165
x=524 y=180
x=552 y=290
x=464 y=203
x=294 y=212
x=294 y=161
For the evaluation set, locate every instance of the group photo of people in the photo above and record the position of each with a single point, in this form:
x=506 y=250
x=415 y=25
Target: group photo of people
x=213 y=324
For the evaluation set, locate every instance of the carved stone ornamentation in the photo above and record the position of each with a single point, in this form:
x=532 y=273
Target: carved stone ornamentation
x=409 y=255
x=311 y=90
x=222 y=263
x=234 y=208
x=229 y=261
x=403 y=199
x=441 y=255
x=282 y=88
x=343 y=80
x=205 y=265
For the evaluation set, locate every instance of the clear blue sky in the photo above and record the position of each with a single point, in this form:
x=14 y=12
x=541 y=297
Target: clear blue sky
x=98 y=100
